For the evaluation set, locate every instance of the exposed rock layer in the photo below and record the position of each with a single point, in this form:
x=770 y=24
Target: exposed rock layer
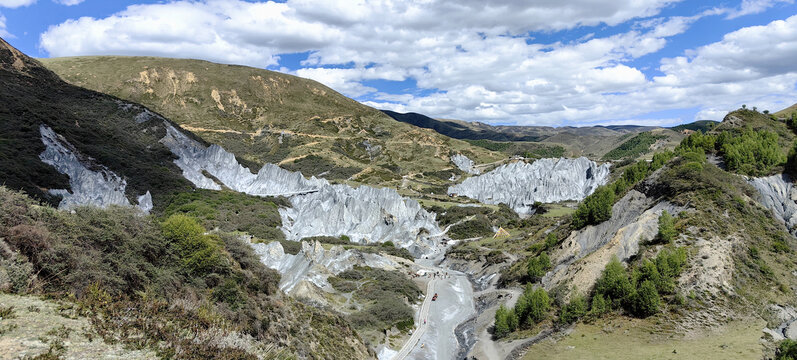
x=100 y=187
x=585 y=253
x=365 y=214
x=314 y=264
x=463 y=163
x=520 y=185
x=778 y=194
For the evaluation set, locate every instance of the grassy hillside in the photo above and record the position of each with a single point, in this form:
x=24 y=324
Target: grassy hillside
x=786 y=112
x=99 y=126
x=264 y=116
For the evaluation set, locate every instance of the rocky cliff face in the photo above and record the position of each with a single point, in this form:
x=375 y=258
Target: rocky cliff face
x=100 y=187
x=779 y=195
x=463 y=163
x=520 y=184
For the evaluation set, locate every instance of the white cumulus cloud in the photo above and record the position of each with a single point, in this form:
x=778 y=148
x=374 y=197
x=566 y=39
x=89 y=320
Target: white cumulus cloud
x=69 y=2
x=749 y=7
x=15 y=3
x=473 y=59
x=3 y=30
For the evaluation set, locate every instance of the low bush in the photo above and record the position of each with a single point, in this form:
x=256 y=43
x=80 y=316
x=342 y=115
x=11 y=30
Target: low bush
x=538 y=266
x=595 y=209
x=787 y=350
x=667 y=231
x=574 y=310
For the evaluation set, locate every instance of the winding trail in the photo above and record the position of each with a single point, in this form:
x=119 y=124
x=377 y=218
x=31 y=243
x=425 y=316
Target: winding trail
x=422 y=326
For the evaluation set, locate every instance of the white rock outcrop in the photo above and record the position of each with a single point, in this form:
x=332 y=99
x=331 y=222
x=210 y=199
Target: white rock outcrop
x=465 y=164
x=779 y=195
x=520 y=184
x=365 y=214
x=100 y=187
x=313 y=264
x=197 y=160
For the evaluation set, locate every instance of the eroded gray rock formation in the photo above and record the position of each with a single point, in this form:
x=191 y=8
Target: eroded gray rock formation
x=465 y=164
x=520 y=184
x=365 y=214
x=100 y=187
x=314 y=264
x=778 y=194
x=197 y=160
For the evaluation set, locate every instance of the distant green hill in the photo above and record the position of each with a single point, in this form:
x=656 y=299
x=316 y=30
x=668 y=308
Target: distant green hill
x=590 y=141
x=264 y=116
x=700 y=125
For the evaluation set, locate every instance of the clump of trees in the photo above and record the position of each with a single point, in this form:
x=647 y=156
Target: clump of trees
x=533 y=306
x=753 y=153
x=633 y=147
x=597 y=207
x=538 y=266
x=787 y=350
x=749 y=152
x=638 y=291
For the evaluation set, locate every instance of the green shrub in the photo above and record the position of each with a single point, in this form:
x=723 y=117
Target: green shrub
x=667 y=231
x=646 y=299
x=539 y=304
x=230 y=211
x=599 y=305
x=229 y=293
x=551 y=240
x=505 y=322
x=480 y=226
x=538 y=266
x=595 y=209
x=614 y=284
x=647 y=271
x=574 y=310
x=201 y=254
x=787 y=350
x=383 y=314
x=18 y=271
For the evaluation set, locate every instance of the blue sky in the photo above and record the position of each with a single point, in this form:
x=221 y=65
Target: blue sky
x=507 y=62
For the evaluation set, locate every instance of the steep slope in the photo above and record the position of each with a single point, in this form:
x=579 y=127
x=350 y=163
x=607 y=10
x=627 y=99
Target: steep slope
x=109 y=143
x=264 y=116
